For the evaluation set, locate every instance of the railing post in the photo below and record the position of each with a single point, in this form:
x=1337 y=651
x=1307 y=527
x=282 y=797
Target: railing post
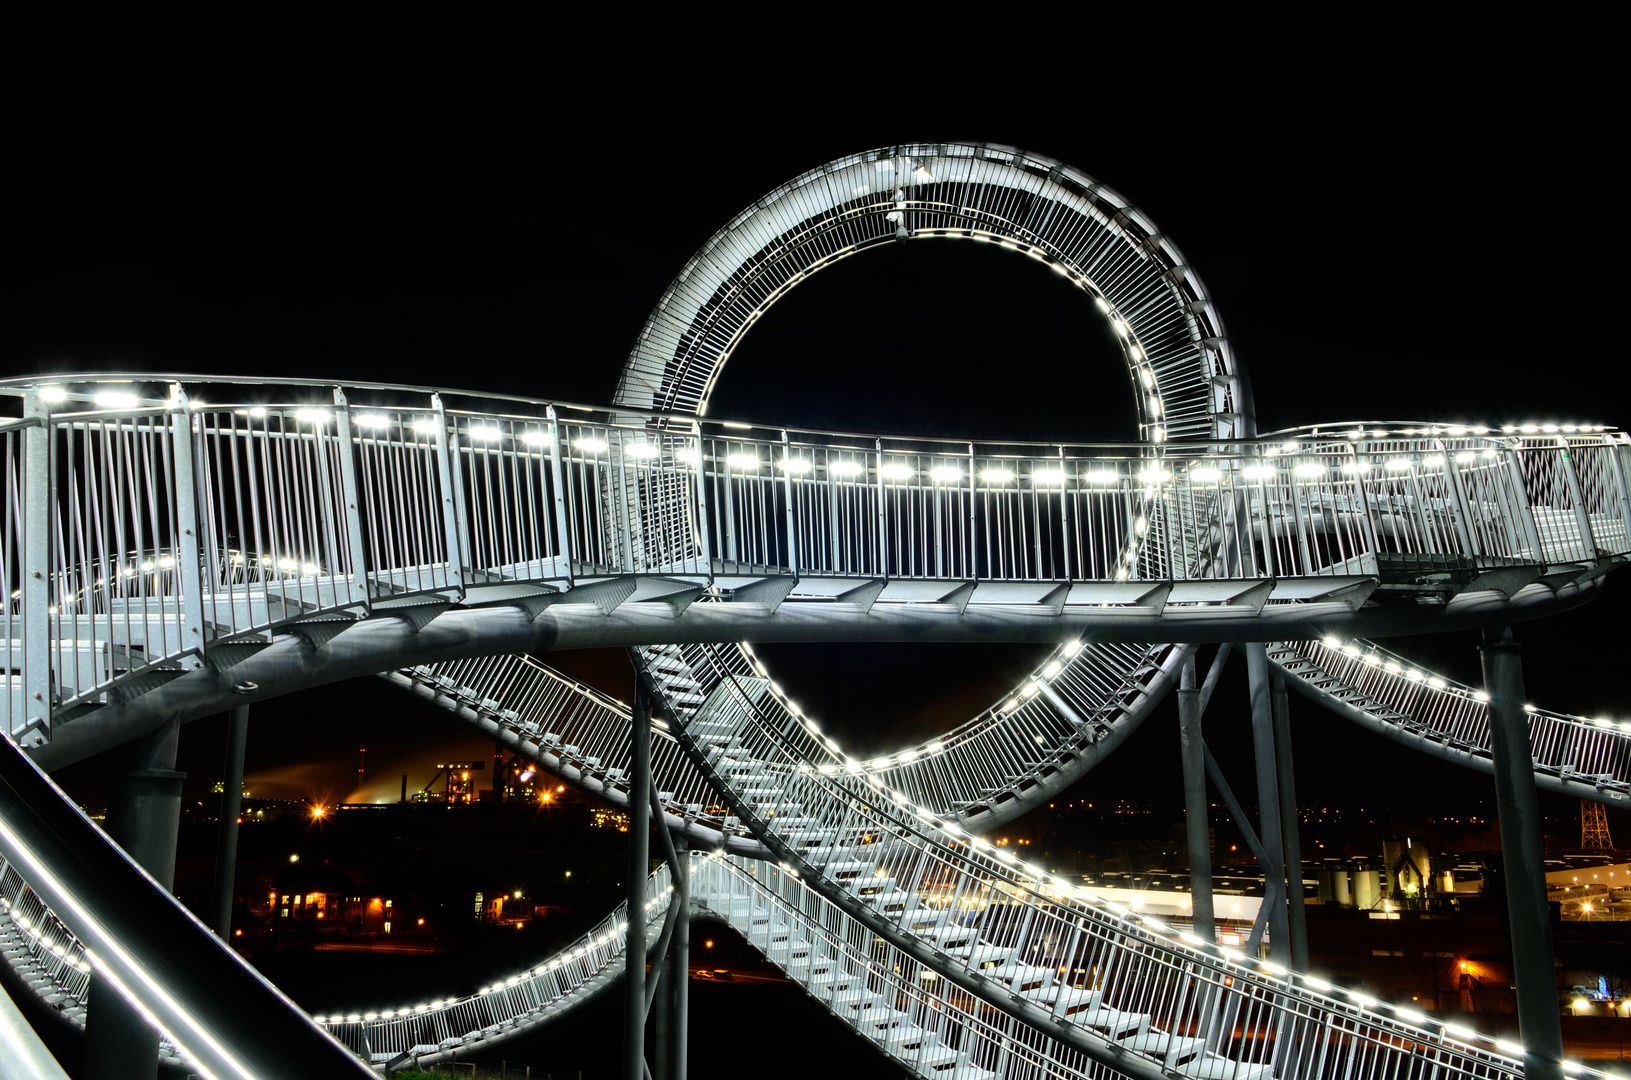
x=453 y=523
x=188 y=567
x=1525 y=513
x=1463 y=511
x=351 y=499
x=973 y=518
x=563 y=533
x=1363 y=498
x=1617 y=468
x=39 y=495
x=1064 y=514
x=1582 y=514
x=787 y=489
x=704 y=545
x=883 y=534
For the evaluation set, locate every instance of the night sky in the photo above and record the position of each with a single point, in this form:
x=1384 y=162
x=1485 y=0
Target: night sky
x=1398 y=220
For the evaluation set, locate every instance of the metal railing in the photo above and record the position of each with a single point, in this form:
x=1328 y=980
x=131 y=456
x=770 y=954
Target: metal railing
x=1591 y=758
x=347 y=506
x=438 y=1029
x=876 y=856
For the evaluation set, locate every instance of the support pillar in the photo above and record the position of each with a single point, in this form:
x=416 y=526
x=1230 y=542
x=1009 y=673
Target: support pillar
x=1197 y=813
x=1289 y=821
x=662 y=1003
x=144 y=812
x=679 y=965
x=1268 y=802
x=634 y=980
x=1522 y=857
x=226 y=836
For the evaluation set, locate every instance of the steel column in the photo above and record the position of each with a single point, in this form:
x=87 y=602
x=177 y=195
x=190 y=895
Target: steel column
x=1522 y=857
x=1268 y=798
x=679 y=963
x=634 y=980
x=144 y=812
x=1289 y=825
x=1197 y=816
x=226 y=835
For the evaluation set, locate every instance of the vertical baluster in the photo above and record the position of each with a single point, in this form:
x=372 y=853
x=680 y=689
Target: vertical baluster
x=348 y=495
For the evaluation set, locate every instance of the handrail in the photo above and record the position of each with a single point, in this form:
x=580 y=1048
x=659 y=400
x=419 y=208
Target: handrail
x=397 y=502
x=218 y=1011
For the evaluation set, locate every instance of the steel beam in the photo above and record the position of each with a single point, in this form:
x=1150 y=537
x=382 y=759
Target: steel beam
x=1268 y=798
x=634 y=981
x=226 y=834
x=679 y=965
x=1288 y=821
x=1197 y=815
x=231 y=1022
x=374 y=645
x=1522 y=857
x=25 y=1056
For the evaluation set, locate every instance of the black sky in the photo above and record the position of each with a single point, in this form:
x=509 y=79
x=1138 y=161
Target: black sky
x=1399 y=219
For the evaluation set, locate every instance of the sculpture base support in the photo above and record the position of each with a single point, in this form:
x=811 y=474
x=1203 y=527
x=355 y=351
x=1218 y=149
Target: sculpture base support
x=144 y=812
x=1522 y=858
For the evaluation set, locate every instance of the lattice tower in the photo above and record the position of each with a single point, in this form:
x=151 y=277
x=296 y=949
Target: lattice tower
x=1594 y=827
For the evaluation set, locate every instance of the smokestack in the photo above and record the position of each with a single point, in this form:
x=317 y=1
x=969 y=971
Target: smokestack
x=404 y=787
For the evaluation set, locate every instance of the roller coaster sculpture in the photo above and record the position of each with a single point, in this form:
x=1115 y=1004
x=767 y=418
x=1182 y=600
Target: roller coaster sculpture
x=175 y=546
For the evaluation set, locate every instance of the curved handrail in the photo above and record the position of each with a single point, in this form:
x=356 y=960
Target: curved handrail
x=200 y=995
x=1390 y=694
x=437 y=1030
x=56 y=965
x=398 y=503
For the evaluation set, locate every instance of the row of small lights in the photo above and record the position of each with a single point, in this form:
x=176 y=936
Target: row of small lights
x=22 y=922
x=1392 y=666
x=125 y=399
x=1062 y=887
x=618 y=930
x=894 y=470
x=1129 y=341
